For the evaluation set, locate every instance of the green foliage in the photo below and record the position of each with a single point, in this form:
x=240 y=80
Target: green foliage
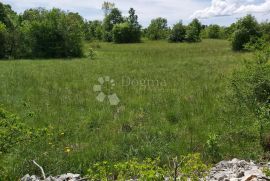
x=157 y=29
x=56 y=34
x=194 y=31
x=7 y=16
x=12 y=131
x=125 y=33
x=113 y=18
x=213 y=148
x=3 y=39
x=39 y=33
x=178 y=33
x=14 y=134
x=266 y=171
x=239 y=39
x=192 y=167
x=265 y=29
x=251 y=88
x=129 y=31
x=246 y=30
x=121 y=33
x=213 y=32
x=92 y=54
x=148 y=169
x=93 y=30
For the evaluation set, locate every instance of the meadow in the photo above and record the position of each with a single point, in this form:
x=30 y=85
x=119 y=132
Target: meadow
x=172 y=97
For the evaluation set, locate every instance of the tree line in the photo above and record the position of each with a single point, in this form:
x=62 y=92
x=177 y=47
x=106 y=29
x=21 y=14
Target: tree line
x=41 y=33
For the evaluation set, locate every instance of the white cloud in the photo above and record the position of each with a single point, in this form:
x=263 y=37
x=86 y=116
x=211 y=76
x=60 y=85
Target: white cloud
x=232 y=7
x=173 y=10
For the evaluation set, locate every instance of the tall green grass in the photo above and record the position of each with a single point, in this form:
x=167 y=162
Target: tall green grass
x=151 y=120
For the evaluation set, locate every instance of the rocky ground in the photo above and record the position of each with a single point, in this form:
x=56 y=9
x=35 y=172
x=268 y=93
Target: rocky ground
x=237 y=170
x=64 y=177
x=234 y=170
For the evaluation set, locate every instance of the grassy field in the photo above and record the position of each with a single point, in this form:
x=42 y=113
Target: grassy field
x=172 y=97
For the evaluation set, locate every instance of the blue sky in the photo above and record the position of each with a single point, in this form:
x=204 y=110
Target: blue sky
x=222 y=12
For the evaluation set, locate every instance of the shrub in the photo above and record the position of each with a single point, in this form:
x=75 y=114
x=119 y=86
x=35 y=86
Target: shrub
x=266 y=171
x=125 y=33
x=246 y=29
x=193 y=168
x=194 y=31
x=121 y=33
x=178 y=33
x=212 y=148
x=148 y=169
x=251 y=88
x=239 y=39
x=55 y=34
x=213 y=32
x=12 y=131
x=91 y=54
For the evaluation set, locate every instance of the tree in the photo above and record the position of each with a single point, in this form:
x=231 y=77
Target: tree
x=107 y=7
x=194 y=31
x=113 y=18
x=228 y=31
x=93 y=30
x=157 y=29
x=178 y=33
x=11 y=41
x=135 y=34
x=33 y=14
x=7 y=15
x=57 y=34
x=129 y=31
x=213 y=31
x=3 y=39
x=246 y=30
x=133 y=18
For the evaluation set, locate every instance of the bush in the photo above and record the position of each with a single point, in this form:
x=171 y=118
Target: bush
x=246 y=30
x=12 y=131
x=213 y=32
x=251 y=88
x=121 y=33
x=194 y=31
x=57 y=34
x=91 y=54
x=125 y=33
x=240 y=39
x=148 y=169
x=212 y=148
x=178 y=33
x=193 y=168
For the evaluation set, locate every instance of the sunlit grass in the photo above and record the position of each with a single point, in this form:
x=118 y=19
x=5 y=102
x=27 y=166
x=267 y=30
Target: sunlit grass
x=171 y=99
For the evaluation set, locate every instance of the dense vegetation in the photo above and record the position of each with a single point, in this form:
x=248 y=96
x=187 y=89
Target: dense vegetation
x=41 y=33
x=197 y=96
